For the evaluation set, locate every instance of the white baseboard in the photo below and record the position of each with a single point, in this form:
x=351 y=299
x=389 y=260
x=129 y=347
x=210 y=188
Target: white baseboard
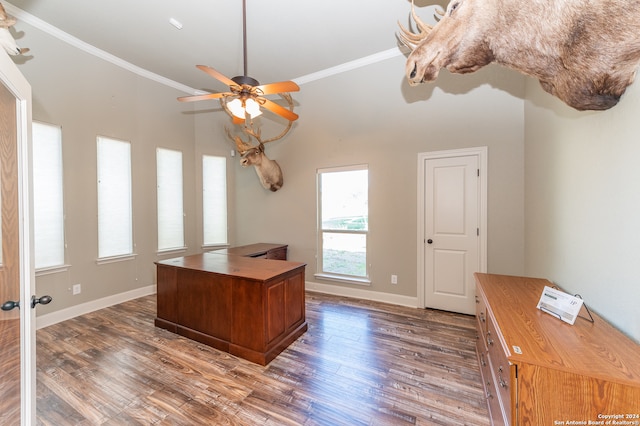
x=360 y=293
x=84 y=308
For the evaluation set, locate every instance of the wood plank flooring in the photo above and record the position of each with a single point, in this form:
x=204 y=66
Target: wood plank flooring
x=360 y=363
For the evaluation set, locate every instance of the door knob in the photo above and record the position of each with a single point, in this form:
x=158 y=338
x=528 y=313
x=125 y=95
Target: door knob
x=10 y=304
x=44 y=300
x=429 y=241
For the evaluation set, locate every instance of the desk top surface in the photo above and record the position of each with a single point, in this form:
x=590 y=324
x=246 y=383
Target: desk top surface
x=237 y=266
x=251 y=250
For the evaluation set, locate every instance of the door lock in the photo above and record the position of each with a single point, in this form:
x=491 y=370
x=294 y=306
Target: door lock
x=429 y=241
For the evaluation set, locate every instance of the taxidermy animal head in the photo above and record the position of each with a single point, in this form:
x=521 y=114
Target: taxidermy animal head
x=584 y=52
x=6 y=39
x=268 y=170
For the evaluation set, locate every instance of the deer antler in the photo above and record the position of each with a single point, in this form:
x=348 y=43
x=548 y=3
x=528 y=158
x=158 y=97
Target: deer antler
x=285 y=96
x=243 y=146
x=248 y=129
x=289 y=100
x=6 y=21
x=240 y=144
x=411 y=39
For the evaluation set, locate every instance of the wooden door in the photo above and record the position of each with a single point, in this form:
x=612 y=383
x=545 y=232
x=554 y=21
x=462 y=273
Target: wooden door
x=9 y=264
x=452 y=221
x=17 y=321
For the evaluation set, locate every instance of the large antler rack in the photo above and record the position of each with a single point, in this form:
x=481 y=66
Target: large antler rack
x=411 y=39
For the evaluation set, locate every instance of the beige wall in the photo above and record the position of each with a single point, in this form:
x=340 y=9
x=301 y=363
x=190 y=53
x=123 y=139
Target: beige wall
x=89 y=97
x=369 y=115
x=372 y=116
x=583 y=202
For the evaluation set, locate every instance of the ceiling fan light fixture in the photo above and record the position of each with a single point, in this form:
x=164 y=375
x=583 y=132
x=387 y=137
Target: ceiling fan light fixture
x=246 y=95
x=252 y=107
x=240 y=109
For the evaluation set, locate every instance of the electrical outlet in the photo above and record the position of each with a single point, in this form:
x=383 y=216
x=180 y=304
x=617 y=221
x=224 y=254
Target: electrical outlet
x=394 y=279
x=77 y=289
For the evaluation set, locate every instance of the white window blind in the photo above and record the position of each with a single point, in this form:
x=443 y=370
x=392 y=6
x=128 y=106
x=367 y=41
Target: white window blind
x=48 y=210
x=170 y=199
x=214 y=200
x=115 y=216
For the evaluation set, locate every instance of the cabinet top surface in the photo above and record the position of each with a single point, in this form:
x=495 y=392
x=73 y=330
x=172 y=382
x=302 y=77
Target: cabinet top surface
x=583 y=348
x=238 y=266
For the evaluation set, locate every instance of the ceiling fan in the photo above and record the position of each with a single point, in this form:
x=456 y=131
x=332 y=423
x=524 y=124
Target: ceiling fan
x=246 y=95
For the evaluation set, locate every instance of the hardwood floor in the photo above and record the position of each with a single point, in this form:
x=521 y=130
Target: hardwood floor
x=360 y=363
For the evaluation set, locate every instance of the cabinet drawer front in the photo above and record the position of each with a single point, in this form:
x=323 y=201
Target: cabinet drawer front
x=481 y=316
x=493 y=401
x=500 y=368
x=488 y=382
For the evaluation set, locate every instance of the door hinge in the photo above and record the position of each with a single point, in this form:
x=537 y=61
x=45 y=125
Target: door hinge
x=478 y=172
x=478 y=232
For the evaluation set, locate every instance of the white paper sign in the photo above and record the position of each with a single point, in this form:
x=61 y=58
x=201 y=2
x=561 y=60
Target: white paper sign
x=560 y=304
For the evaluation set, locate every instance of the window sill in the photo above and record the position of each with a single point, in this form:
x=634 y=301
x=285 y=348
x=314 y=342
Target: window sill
x=52 y=270
x=343 y=279
x=214 y=247
x=175 y=250
x=113 y=259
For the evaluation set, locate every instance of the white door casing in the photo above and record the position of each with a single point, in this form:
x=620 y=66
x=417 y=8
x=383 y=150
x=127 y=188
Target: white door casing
x=452 y=224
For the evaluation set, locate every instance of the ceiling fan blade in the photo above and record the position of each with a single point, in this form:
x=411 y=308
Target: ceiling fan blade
x=282 y=86
x=281 y=111
x=217 y=75
x=203 y=97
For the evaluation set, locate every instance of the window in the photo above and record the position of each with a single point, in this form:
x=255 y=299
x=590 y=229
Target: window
x=115 y=216
x=170 y=199
x=48 y=211
x=343 y=223
x=214 y=200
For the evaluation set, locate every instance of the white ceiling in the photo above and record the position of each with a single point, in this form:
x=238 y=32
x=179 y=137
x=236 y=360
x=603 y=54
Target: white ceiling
x=287 y=39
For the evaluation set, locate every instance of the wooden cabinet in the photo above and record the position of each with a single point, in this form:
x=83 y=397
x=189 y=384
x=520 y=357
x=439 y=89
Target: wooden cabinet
x=538 y=370
x=252 y=308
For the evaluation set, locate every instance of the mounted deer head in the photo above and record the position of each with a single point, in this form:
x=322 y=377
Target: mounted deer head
x=268 y=170
x=584 y=52
x=7 y=41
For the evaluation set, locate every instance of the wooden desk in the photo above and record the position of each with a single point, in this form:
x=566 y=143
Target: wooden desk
x=252 y=308
x=260 y=250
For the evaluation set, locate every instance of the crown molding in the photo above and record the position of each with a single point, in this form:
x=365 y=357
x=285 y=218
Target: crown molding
x=348 y=66
x=38 y=23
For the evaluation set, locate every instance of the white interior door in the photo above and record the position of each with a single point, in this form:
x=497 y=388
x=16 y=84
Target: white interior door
x=451 y=241
x=17 y=318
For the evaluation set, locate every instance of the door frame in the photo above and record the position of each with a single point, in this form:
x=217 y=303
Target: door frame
x=482 y=153
x=16 y=83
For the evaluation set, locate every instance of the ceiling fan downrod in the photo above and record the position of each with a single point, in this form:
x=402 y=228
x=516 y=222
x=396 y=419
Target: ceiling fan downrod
x=241 y=80
x=244 y=37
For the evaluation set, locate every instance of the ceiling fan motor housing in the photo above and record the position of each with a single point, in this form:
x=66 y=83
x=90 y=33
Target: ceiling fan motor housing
x=243 y=79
